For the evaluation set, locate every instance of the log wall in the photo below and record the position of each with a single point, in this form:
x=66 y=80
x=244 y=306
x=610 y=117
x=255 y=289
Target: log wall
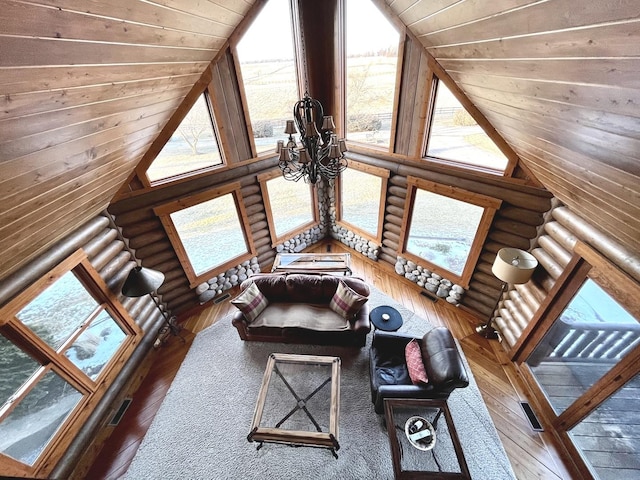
x=107 y=252
x=553 y=249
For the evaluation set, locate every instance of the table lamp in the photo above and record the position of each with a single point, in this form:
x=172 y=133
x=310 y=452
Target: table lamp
x=514 y=266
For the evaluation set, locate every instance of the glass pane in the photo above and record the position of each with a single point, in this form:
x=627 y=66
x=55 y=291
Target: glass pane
x=608 y=438
x=360 y=198
x=590 y=336
x=372 y=60
x=192 y=146
x=443 y=229
x=93 y=349
x=456 y=136
x=290 y=204
x=16 y=367
x=59 y=310
x=27 y=430
x=266 y=58
x=210 y=232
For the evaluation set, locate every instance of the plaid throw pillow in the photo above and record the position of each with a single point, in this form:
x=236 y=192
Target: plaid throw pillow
x=251 y=302
x=346 y=302
x=413 y=355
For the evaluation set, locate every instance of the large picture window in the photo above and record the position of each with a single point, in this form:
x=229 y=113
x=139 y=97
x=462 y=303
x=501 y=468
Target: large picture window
x=192 y=147
x=59 y=341
x=268 y=70
x=208 y=231
x=446 y=227
x=361 y=194
x=290 y=205
x=371 y=72
x=454 y=135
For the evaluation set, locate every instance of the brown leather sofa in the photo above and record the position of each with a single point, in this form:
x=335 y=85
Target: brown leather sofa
x=298 y=311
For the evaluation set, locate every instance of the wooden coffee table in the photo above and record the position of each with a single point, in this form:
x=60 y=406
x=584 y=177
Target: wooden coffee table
x=437 y=454
x=312 y=263
x=298 y=402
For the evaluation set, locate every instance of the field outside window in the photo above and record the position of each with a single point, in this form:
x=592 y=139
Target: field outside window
x=267 y=65
x=291 y=205
x=456 y=136
x=192 y=147
x=360 y=197
x=371 y=66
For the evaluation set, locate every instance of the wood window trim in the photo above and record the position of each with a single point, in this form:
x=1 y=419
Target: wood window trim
x=481 y=120
x=298 y=61
x=201 y=87
x=384 y=175
x=163 y=212
x=489 y=204
x=263 y=178
x=585 y=263
x=393 y=19
x=91 y=390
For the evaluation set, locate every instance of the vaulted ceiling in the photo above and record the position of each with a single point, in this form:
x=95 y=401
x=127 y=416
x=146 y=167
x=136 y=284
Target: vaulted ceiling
x=87 y=85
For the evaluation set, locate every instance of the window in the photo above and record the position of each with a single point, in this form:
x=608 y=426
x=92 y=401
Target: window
x=208 y=231
x=290 y=205
x=446 y=227
x=59 y=341
x=454 y=135
x=371 y=71
x=267 y=66
x=191 y=148
x=361 y=194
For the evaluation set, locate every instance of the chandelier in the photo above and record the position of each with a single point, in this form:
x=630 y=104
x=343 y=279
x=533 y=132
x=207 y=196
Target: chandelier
x=320 y=153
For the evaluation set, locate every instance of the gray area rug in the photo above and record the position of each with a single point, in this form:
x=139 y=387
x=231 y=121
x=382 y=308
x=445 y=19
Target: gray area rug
x=200 y=431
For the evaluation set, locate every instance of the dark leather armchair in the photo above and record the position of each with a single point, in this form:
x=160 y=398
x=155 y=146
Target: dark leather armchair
x=388 y=368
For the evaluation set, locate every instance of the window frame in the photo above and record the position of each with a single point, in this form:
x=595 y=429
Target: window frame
x=169 y=130
x=263 y=178
x=163 y=212
x=343 y=83
x=464 y=102
x=384 y=175
x=300 y=73
x=489 y=204
x=36 y=348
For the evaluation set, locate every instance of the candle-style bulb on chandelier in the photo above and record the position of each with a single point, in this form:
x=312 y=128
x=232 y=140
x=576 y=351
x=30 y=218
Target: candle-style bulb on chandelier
x=320 y=154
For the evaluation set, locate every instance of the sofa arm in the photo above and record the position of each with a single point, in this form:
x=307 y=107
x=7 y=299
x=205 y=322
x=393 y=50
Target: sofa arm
x=361 y=322
x=442 y=360
x=240 y=323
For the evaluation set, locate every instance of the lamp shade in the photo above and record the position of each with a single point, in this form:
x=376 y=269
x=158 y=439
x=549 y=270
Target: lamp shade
x=142 y=281
x=513 y=265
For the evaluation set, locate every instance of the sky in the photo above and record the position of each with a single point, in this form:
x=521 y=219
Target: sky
x=368 y=30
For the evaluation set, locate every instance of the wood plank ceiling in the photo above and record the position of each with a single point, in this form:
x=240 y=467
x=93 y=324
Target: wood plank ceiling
x=559 y=80
x=87 y=85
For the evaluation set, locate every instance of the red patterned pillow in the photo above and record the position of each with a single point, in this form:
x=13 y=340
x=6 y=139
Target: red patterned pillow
x=414 y=363
x=346 y=302
x=251 y=302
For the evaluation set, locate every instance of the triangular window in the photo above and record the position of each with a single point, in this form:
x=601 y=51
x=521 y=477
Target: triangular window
x=192 y=147
x=457 y=137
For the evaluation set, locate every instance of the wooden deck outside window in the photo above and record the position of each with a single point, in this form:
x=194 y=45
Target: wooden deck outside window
x=62 y=342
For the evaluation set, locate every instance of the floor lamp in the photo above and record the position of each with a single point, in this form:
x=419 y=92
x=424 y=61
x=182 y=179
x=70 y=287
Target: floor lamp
x=142 y=281
x=514 y=266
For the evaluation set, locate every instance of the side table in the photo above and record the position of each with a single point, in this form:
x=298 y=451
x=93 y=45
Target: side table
x=385 y=318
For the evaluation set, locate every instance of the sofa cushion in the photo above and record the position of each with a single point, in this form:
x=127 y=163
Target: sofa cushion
x=345 y=301
x=415 y=366
x=298 y=315
x=251 y=302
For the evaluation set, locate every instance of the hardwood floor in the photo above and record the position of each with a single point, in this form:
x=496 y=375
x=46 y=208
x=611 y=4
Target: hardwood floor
x=532 y=454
